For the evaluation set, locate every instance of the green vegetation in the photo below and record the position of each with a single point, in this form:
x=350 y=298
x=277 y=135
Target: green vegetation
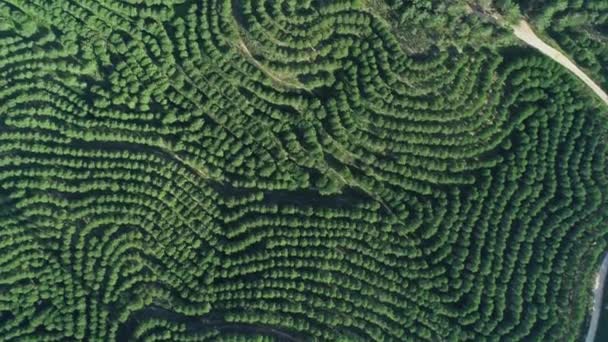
x=578 y=27
x=422 y=26
x=290 y=170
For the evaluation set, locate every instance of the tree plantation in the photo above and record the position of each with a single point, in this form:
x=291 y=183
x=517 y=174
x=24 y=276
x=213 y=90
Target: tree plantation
x=298 y=170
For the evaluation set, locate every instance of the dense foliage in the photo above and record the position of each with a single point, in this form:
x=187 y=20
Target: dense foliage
x=259 y=170
x=422 y=26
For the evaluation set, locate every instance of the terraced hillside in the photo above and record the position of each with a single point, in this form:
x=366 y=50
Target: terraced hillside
x=288 y=170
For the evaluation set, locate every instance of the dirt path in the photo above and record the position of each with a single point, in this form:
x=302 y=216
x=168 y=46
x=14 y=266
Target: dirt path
x=598 y=292
x=278 y=79
x=525 y=33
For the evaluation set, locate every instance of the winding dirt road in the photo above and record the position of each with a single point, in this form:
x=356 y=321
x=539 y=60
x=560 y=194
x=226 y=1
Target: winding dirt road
x=524 y=32
x=598 y=293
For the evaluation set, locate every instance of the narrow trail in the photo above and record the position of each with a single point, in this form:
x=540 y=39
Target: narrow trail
x=198 y=170
x=278 y=79
x=598 y=292
x=524 y=32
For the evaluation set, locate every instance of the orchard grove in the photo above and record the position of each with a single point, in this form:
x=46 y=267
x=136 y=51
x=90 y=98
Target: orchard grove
x=295 y=170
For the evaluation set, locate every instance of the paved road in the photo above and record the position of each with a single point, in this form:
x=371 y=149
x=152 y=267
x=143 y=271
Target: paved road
x=598 y=292
x=525 y=33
